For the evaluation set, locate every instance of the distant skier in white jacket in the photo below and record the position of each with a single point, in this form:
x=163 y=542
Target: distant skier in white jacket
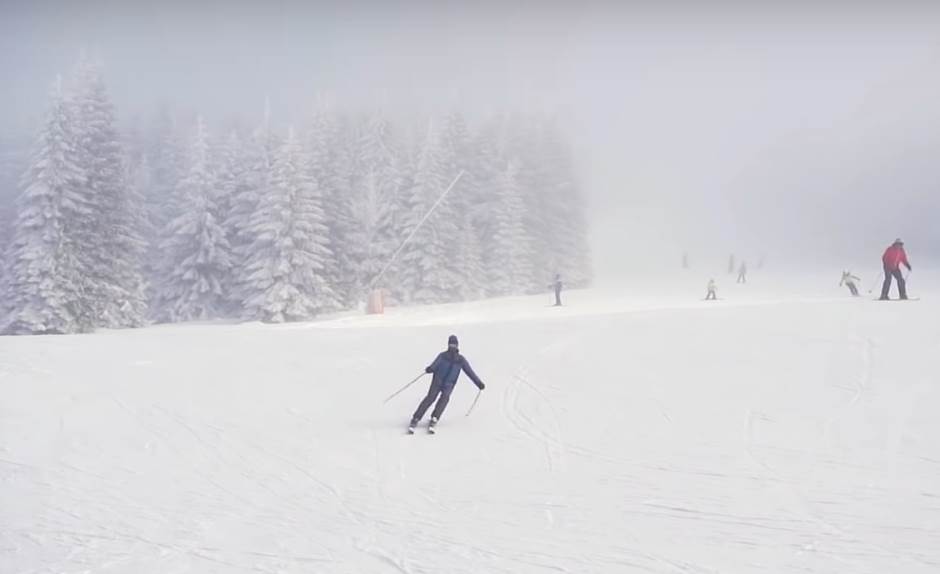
x=711 y=296
x=849 y=281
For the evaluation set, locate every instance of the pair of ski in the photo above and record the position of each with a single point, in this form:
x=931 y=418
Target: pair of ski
x=432 y=428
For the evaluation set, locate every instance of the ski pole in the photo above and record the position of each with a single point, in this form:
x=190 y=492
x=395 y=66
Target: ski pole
x=480 y=392
x=874 y=283
x=401 y=390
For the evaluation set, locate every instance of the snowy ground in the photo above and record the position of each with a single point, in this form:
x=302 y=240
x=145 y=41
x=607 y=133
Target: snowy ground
x=785 y=430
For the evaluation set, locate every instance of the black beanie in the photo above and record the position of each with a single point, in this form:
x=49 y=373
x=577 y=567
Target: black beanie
x=452 y=340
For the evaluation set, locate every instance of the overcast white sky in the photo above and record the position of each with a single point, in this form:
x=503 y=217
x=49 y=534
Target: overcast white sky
x=800 y=131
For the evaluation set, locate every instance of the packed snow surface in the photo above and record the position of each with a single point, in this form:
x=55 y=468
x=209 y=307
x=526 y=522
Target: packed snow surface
x=785 y=428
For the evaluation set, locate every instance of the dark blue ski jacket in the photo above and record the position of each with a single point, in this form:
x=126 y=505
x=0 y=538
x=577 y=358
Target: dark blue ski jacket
x=446 y=369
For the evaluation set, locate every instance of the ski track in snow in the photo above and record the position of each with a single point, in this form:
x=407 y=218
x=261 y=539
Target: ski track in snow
x=262 y=458
x=862 y=383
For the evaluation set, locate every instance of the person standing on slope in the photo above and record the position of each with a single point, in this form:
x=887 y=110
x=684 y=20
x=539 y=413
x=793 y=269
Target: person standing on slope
x=893 y=258
x=742 y=273
x=557 y=285
x=711 y=296
x=446 y=369
x=849 y=281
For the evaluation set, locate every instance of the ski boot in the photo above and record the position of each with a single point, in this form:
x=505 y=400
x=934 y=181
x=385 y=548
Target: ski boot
x=432 y=426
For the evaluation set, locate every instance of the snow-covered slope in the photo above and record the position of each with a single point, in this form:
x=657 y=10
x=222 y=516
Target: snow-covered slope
x=774 y=431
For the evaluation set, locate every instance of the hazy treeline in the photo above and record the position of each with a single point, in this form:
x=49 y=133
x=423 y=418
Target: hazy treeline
x=175 y=222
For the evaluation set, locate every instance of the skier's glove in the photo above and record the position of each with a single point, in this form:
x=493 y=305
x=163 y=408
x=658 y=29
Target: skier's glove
x=482 y=386
x=428 y=370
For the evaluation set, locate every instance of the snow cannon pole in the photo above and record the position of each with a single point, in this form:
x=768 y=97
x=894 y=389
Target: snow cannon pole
x=473 y=406
x=408 y=239
x=401 y=390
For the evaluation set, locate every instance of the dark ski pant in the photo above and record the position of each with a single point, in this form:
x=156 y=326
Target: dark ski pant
x=436 y=389
x=852 y=289
x=557 y=297
x=902 y=286
x=711 y=296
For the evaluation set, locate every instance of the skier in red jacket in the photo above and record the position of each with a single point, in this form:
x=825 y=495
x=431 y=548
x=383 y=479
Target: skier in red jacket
x=893 y=258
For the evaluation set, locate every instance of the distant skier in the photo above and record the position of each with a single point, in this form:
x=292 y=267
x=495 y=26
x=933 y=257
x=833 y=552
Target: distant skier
x=893 y=258
x=685 y=260
x=731 y=264
x=849 y=281
x=446 y=369
x=712 y=295
x=557 y=285
x=742 y=272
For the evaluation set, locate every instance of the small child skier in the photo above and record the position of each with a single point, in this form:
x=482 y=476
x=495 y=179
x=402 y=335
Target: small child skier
x=712 y=296
x=446 y=369
x=849 y=281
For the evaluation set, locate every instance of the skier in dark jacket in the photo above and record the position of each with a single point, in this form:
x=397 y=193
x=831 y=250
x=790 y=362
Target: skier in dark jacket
x=557 y=285
x=893 y=258
x=446 y=369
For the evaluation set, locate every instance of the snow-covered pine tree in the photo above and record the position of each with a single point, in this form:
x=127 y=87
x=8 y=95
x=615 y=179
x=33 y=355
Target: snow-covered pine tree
x=139 y=177
x=197 y=252
x=376 y=201
x=111 y=247
x=511 y=247
x=44 y=277
x=521 y=145
x=469 y=258
x=134 y=144
x=329 y=164
x=320 y=137
x=287 y=260
x=167 y=157
x=429 y=269
x=466 y=199
x=340 y=206
x=368 y=241
x=254 y=184
x=15 y=150
x=230 y=170
x=491 y=155
x=164 y=158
